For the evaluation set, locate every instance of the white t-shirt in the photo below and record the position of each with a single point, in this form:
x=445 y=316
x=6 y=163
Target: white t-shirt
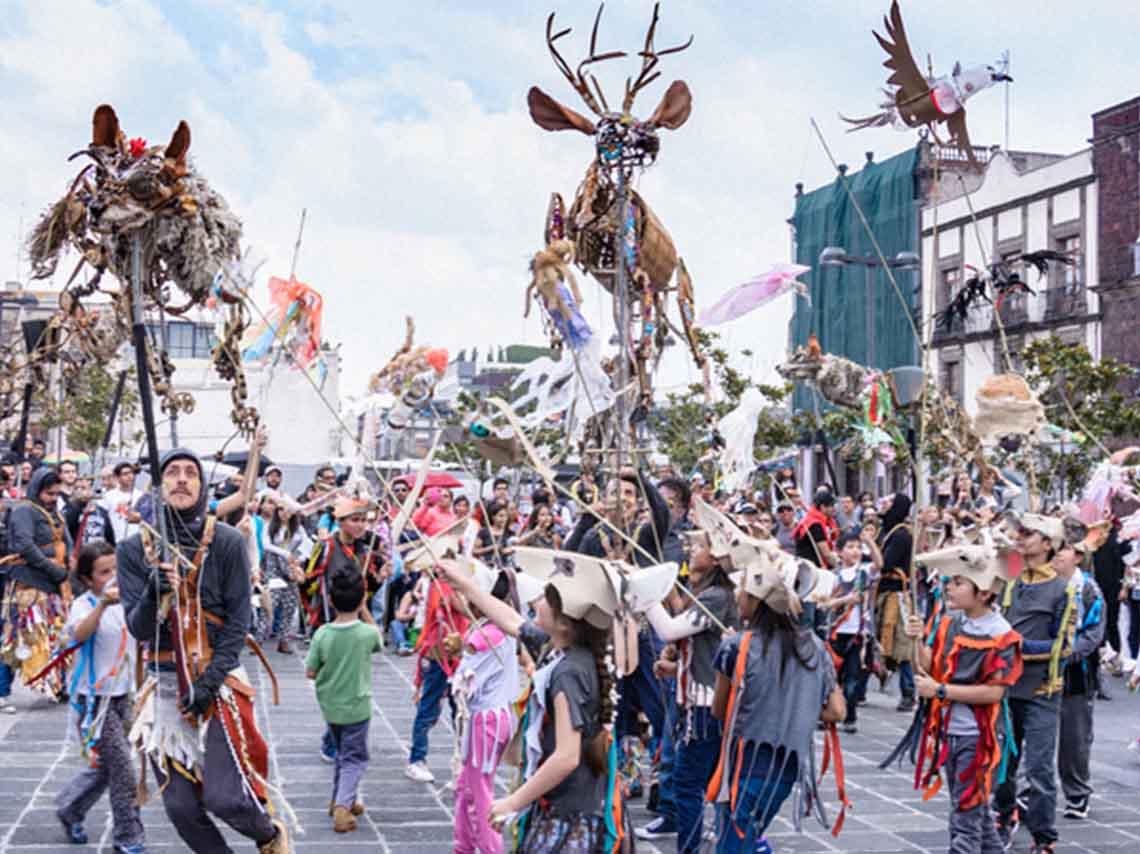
x=118 y=503
x=114 y=649
x=853 y=623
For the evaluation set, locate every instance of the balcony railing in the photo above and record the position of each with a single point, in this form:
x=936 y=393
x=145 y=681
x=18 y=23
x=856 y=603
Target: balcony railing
x=1065 y=302
x=1014 y=310
x=953 y=329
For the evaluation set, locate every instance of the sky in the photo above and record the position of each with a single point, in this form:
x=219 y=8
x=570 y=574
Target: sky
x=402 y=129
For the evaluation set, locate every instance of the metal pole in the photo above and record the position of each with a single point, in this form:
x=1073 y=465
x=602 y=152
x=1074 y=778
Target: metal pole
x=870 y=313
x=162 y=331
x=138 y=331
x=59 y=427
x=621 y=294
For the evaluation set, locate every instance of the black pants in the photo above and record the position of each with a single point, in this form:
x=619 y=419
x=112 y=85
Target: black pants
x=850 y=649
x=1133 y=606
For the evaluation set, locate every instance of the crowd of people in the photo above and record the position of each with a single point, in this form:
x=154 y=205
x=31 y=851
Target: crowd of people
x=998 y=629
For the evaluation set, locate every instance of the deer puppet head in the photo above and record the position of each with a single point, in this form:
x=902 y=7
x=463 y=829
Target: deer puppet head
x=620 y=138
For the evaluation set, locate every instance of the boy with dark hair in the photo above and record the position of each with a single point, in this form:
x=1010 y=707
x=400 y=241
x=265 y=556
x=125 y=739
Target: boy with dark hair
x=1043 y=610
x=1081 y=675
x=971 y=657
x=849 y=622
x=339 y=660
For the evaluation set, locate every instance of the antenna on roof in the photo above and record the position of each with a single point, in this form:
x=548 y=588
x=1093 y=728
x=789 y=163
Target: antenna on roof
x=1008 y=89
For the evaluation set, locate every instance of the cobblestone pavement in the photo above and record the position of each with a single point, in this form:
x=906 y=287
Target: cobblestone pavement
x=888 y=815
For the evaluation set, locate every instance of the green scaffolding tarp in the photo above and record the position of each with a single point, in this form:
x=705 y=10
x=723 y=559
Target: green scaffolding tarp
x=838 y=312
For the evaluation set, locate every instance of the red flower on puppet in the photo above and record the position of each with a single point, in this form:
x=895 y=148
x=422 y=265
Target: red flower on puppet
x=137 y=147
x=437 y=359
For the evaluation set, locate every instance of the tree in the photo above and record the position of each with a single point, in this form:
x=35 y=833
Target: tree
x=1085 y=406
x=85 y=411
x=682 y=425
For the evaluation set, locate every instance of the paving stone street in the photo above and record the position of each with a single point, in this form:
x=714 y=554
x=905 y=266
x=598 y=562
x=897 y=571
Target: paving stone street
x=888 y=815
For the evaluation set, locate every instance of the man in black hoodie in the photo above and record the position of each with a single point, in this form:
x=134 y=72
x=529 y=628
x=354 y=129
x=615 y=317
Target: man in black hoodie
x=893 y=597
x=37 y=592
x=639 y=691
x=218 y=697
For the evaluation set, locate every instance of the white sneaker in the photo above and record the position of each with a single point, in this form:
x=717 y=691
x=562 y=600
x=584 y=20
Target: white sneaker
x=6 y=706
x=419 y=772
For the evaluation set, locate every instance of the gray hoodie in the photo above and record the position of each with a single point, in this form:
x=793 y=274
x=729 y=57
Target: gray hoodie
x=32 y=537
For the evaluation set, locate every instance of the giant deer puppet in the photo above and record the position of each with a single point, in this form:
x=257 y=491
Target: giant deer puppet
x=594 y=225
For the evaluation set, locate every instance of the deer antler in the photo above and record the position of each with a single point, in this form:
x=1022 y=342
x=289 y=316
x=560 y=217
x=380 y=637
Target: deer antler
x=649 y=57
x=580 y=82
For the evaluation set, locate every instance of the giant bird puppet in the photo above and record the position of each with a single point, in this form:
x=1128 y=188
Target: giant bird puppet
x=916 y=100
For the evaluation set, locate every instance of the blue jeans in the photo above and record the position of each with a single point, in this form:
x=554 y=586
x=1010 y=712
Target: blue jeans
x=758 y=802
x=399 y=633
x=642 y=691
x=432 y=691
x=328 y=742
x=667 y=764
x=696 y=762
x=5 y=670
x=906 y=679
x=376 y=606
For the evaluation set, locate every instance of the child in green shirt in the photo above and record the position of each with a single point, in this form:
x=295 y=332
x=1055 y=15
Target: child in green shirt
x=340 y=661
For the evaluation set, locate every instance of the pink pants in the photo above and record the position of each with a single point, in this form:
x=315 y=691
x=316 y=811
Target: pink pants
x=475 y=789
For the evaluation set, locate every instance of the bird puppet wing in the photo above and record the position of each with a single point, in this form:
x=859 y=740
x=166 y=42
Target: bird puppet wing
x=905 y=73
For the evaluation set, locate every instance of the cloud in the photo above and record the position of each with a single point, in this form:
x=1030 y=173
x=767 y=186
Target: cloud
x=402 y=129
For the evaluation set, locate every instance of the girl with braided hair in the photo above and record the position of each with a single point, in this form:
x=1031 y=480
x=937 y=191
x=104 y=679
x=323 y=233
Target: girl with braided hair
x=570 y=800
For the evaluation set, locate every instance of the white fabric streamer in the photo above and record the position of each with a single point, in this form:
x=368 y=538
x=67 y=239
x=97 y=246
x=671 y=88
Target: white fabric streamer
x=576 y=385
x=738 y=429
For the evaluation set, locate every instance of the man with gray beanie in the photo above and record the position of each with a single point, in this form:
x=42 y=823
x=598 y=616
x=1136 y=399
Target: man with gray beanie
x=196 y=680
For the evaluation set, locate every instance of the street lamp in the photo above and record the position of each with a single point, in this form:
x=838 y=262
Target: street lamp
x=836 y=256
x=7 y=298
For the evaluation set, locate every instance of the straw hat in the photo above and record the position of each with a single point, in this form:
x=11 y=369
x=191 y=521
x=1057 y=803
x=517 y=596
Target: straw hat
x=345 y=506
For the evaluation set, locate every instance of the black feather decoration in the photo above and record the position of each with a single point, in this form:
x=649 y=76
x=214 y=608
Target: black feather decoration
x=908 y=746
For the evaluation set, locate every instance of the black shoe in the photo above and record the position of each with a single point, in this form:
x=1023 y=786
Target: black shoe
x=653 y=802
x=906 y=704
x=76 y=835
x=1103 y=695
x=1078 y=809
x=850 y=728
x=1007 y=829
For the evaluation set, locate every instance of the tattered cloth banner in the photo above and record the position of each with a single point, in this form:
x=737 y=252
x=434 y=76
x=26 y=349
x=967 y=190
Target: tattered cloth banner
x=294 y=320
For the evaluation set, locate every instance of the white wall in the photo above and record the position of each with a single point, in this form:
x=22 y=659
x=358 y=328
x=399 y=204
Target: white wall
x=301 y=427
x=1001 y=185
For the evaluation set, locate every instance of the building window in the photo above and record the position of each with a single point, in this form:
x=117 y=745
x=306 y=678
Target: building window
x=952 y=379
x=1065 y=296
x=950 y=282
x=204 y=341
x=1014 y=306
x=185 y=340
x=1069 y=276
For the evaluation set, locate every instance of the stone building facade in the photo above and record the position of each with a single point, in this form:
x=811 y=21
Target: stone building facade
x=1116 y=162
